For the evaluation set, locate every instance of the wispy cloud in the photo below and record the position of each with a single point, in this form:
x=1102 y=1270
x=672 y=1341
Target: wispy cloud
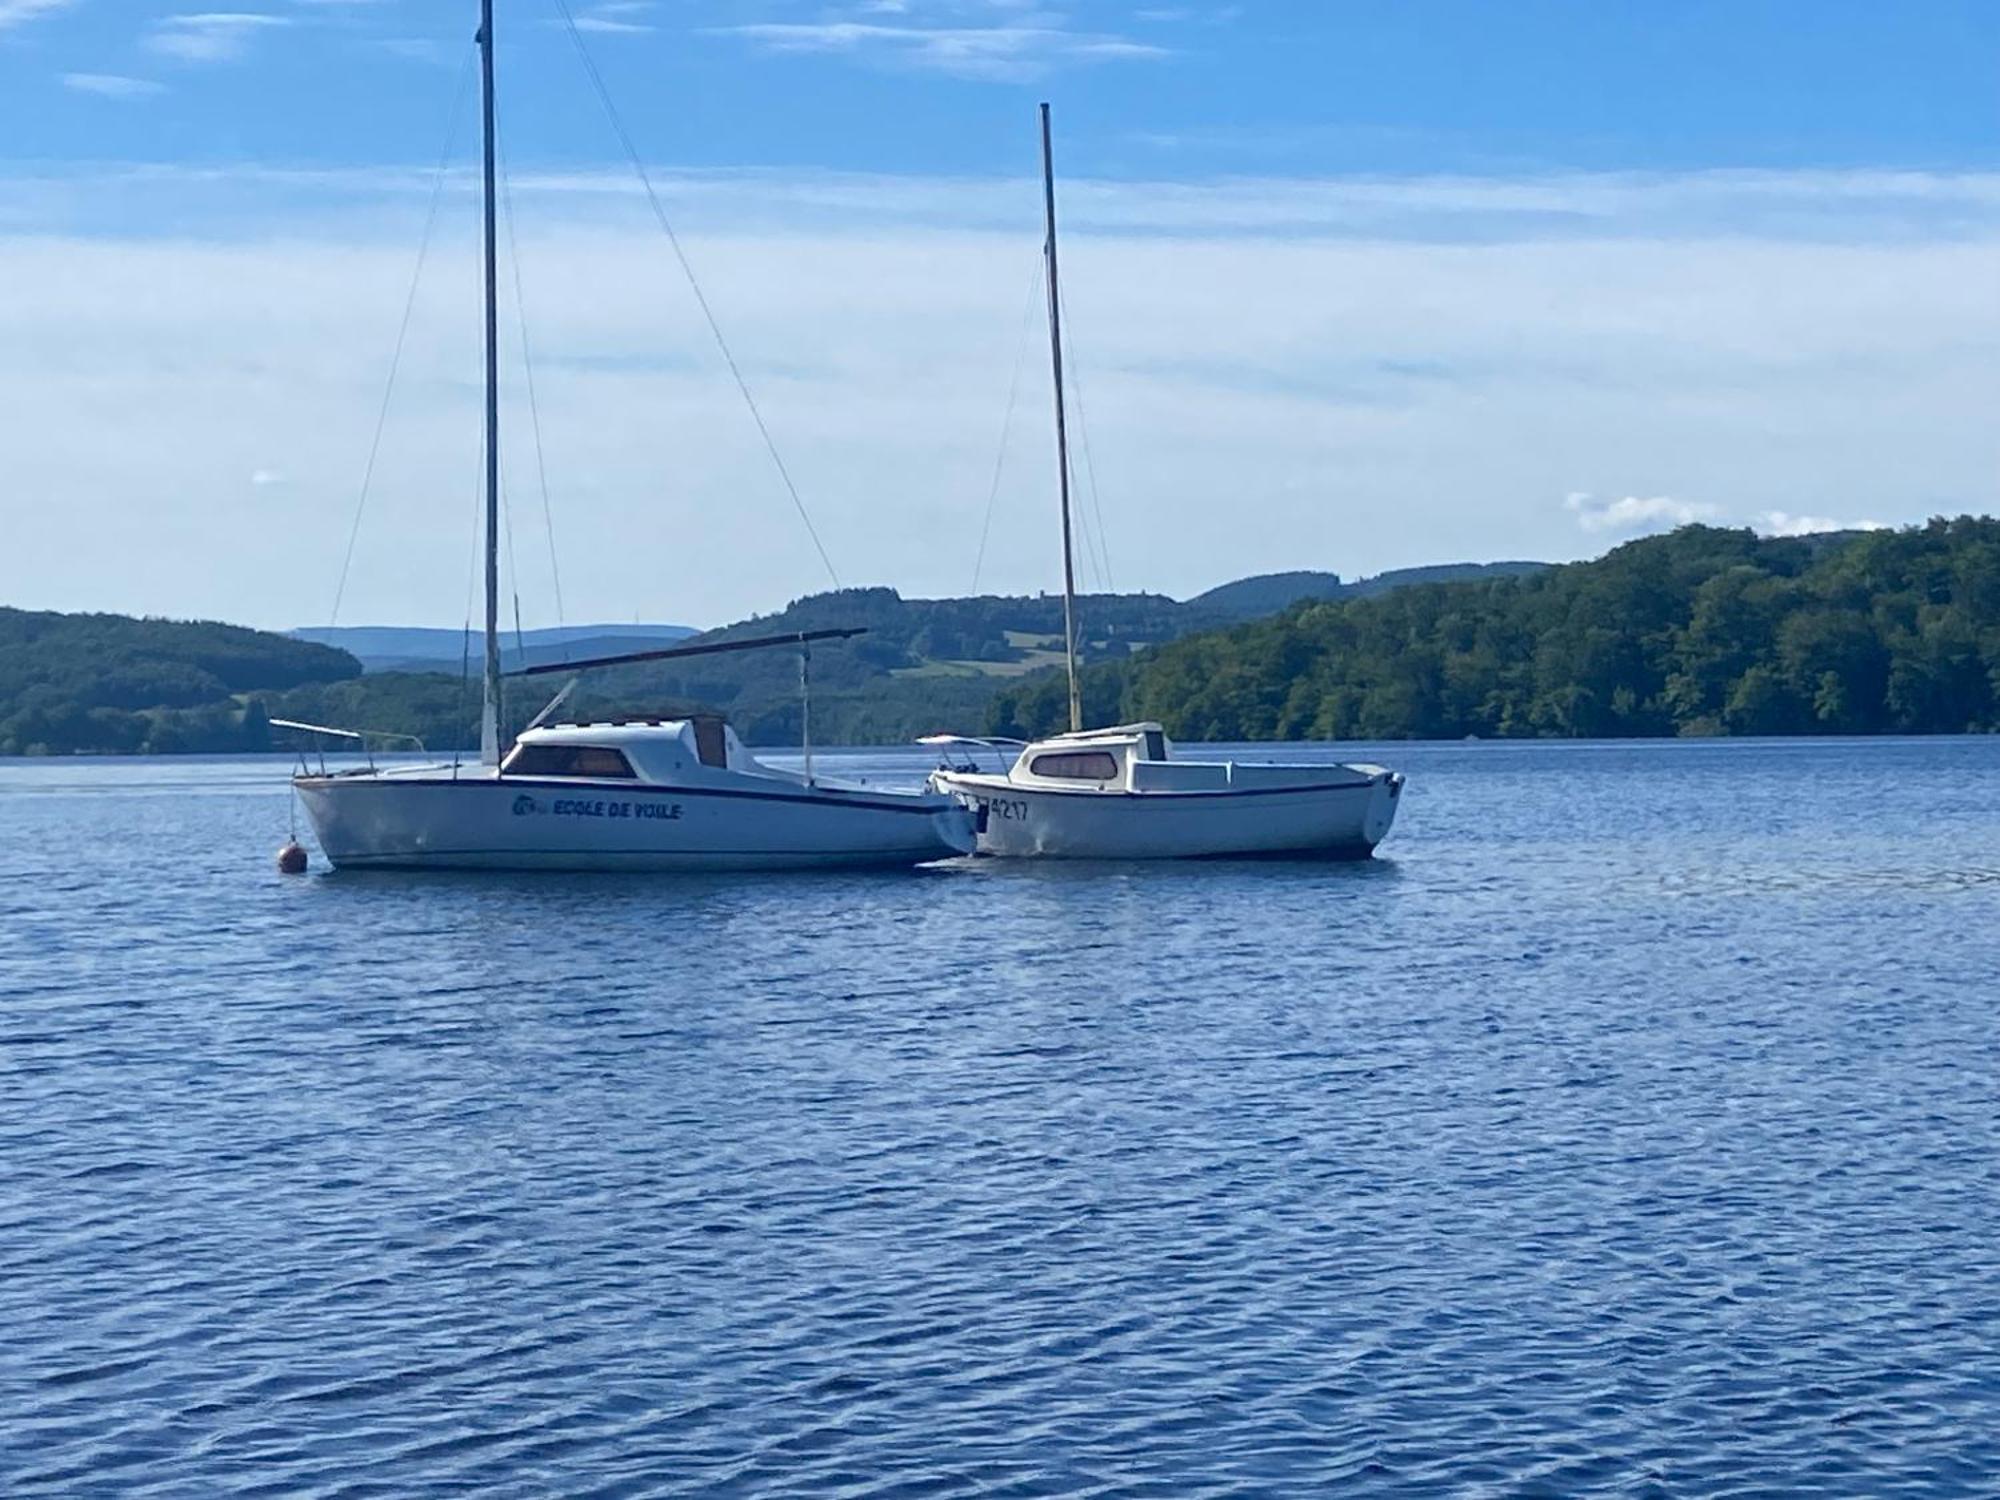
x=211 y=36
x=20 y=12
x=112 y=85
x=1426 y=380
x=415 y=48
x=1204 y=15
x=1018 y=48
x=615 y=17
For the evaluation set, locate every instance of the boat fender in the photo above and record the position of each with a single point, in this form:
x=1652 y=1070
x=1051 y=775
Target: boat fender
x=292 y=858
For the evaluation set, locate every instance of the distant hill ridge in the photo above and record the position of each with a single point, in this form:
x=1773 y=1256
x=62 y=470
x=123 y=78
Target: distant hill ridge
x=111 y=684
x=1268 y=593
x=417 y=648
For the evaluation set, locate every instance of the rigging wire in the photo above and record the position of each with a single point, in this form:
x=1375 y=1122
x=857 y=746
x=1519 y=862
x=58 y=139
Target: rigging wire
x=506 y=509
x=471 y=595
x=1007 y=422
x=528 y=365
x=1075 y=371
x=1092 y=571
x=403 y=332
x=687 y=270
x=513 y=569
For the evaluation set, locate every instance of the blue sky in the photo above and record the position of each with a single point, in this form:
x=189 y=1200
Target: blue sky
x=938 y=85
x=1353 y=286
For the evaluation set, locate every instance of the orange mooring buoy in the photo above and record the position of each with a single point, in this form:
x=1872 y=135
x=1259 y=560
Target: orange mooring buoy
x=292 y=858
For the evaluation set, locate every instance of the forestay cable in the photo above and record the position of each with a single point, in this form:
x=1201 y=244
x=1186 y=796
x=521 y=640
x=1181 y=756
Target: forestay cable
x=1083 y=434
x=402 y=334
x=1007 y=422
x=687 y=270
x=534 y=407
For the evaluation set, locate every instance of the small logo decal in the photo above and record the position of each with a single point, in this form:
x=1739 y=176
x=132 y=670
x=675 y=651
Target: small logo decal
x=524 y=804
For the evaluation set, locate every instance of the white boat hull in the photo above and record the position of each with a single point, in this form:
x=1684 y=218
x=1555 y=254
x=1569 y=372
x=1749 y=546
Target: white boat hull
x=1333 y=820
x=402 y=820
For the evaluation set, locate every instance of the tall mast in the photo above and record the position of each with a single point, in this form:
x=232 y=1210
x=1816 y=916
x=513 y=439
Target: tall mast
x=489 y=713
x=1062 y=428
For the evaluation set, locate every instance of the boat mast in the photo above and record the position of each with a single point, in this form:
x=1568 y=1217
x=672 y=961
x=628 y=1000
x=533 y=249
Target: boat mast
x=1062 y=429
x=489 y=713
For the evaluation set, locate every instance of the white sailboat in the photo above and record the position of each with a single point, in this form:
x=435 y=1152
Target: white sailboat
x=1119 y=793
x=663 y=794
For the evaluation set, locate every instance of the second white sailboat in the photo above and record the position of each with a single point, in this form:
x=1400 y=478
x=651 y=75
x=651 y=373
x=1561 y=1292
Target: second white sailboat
x=1119 y=793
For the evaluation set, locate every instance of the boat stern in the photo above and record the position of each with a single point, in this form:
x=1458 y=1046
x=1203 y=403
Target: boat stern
x=1384 y=797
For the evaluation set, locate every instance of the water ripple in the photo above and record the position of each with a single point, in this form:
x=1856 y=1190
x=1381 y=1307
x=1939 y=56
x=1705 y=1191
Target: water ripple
x=1629 y=1128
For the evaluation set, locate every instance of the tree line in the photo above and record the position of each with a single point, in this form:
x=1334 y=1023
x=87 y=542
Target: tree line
x=1705 y=631
x=112 y=684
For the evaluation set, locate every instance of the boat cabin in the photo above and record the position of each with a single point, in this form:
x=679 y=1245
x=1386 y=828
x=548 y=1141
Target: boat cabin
x=665 y=751
x=1116 y=759
x=1140 y=758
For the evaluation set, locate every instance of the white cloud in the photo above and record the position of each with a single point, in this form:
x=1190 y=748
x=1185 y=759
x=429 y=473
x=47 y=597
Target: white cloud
x=1634 y=515
x=210 y=36
x=1783 y=523
x=111 y=85
x=264 y=479
x=20 y=12
x=1259 y=396
x=615 y=17
x=1013 y=52
x=415 y=49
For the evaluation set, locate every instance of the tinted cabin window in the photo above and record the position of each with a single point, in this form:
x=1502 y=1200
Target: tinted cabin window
x=1078 y=765
x=1156 y=745
x=570 y=760
x=711 y=748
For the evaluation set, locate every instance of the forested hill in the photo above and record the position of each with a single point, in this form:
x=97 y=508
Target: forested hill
x=924 y=664
x=931 y=664
x=107 y=684
x=1701 y=632
x=1704 y=631
x=113 y=684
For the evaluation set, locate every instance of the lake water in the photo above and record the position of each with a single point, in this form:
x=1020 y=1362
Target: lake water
x=1630 y=1125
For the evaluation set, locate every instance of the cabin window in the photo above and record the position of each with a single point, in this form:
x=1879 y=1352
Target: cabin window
x=1156 y=746
x=570 y=760
x=711 y=746
x=1077 y=765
